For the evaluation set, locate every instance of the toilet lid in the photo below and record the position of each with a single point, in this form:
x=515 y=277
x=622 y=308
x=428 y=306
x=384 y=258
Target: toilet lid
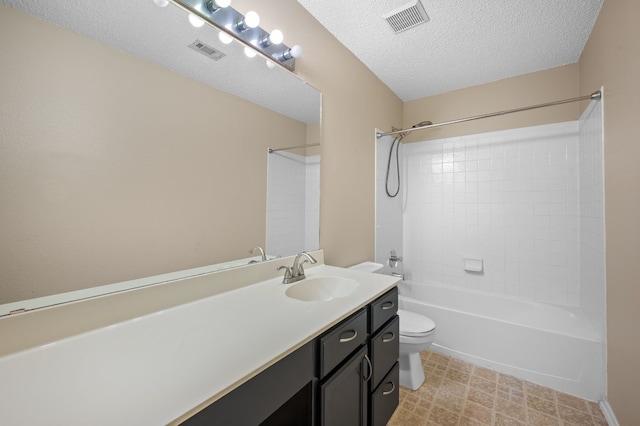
x=412 y=324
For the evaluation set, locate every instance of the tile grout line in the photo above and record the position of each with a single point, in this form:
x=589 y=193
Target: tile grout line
x=441 y=399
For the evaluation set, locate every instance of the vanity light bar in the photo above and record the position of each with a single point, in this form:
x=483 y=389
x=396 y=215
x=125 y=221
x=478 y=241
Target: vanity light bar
x=231 y=22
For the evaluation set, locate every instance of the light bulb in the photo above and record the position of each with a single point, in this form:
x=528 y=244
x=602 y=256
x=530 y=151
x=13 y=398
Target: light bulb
x=195 y=21
x=295 y=51
x=276 y=37
x=249 y=52
x=223 y=3
x=225 y=38
x=161 y=3
x=252 y=19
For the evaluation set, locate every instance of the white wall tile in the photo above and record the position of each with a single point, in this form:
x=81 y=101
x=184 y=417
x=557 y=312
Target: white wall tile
x=507 y=203
x=528 y=201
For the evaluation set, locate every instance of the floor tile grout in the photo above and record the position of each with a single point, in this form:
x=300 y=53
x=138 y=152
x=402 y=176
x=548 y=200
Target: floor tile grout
x=457 y=393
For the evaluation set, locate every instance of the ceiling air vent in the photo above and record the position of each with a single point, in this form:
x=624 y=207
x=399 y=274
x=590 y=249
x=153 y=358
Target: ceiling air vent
x=207 y=50
x=408 y=16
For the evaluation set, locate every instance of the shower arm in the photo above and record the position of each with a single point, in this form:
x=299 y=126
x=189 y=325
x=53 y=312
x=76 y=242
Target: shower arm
x=594 y=96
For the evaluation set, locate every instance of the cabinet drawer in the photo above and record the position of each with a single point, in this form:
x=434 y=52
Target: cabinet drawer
x=385 y=351
x=384 y=400
x=383 y=309
x=339 y=342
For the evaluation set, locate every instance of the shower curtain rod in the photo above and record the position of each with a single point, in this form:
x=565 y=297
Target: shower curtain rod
x=595 y=95
x=292 y=147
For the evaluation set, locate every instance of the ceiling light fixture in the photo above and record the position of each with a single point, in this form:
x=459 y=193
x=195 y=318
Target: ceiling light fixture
x=243 y=28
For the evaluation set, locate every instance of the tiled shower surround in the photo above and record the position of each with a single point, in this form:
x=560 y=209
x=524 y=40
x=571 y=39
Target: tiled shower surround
x=527 y=201
x=293 y=203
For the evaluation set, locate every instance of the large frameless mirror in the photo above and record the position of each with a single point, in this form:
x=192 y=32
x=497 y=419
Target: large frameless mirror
x=127 y=151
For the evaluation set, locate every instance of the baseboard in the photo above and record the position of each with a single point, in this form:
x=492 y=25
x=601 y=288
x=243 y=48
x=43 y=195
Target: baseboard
x=608 y=413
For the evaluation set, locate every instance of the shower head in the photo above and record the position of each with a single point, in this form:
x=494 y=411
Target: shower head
x=422 y=123
x=401 y=135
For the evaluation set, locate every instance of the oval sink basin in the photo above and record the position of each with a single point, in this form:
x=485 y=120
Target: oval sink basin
x=322 y=289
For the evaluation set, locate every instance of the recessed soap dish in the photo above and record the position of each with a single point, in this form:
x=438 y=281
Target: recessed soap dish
x=471 y=264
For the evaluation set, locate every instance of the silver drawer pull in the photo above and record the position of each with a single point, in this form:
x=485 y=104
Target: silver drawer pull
x=393 y=387
x=388 y=339
x=388 y=305
x=348 y=339
x=366 y=358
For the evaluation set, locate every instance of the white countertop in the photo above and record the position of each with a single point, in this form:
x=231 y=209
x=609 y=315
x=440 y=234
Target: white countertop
x=155 y=368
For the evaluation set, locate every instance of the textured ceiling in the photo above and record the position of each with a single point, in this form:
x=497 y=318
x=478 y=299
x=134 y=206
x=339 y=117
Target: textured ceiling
x=465 y=42
x=161 y=36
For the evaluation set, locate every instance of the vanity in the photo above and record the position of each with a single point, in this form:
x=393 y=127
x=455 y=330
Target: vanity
x=229 y=347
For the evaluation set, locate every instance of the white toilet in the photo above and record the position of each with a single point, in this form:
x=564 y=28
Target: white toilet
x=416 y=334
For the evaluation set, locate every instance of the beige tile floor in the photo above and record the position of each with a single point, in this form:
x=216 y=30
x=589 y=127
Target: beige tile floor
x=457 y=393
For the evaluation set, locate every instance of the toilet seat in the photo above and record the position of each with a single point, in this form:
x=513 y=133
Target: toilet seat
x=414 y=325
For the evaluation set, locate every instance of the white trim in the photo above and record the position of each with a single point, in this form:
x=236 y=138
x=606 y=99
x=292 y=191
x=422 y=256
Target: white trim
x=608 y=413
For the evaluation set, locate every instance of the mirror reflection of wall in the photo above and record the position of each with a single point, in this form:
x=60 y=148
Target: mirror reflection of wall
x=114 y=168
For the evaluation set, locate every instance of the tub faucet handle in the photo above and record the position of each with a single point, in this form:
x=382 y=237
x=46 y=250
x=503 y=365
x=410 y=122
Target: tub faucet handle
x=394 y=259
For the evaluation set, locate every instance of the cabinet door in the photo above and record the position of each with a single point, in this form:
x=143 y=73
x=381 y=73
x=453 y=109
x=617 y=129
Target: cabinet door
x=344 y=396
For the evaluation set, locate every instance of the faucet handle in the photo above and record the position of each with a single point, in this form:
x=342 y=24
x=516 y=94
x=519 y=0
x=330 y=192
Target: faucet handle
x=300 y=268
x=287 y=271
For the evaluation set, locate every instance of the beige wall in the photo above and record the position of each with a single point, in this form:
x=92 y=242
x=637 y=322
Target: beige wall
x=530 y=89
x=108 y=167
x=611 y=58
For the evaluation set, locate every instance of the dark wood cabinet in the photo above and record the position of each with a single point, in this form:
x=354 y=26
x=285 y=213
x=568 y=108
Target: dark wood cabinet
x=365 y=348
x=384 y=352
x=348 y=376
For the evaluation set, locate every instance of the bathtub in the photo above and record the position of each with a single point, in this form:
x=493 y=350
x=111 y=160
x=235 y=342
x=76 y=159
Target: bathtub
x=554 y=346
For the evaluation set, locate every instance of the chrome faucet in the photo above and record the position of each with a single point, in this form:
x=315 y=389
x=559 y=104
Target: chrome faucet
x=261 y=250
x=296 y=272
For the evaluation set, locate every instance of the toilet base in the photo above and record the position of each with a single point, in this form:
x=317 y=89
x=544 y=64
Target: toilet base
x=411 y=372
